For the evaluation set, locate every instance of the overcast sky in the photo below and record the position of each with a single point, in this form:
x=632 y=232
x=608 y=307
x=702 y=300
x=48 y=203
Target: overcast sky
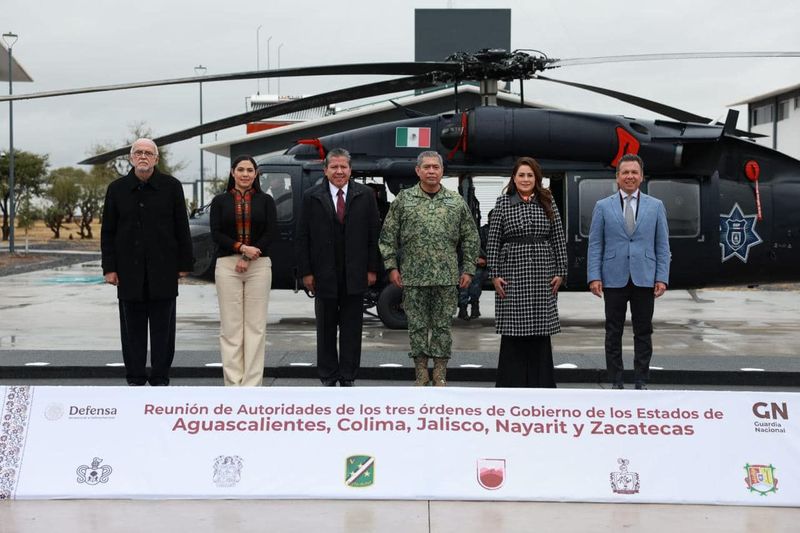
x=67 y=44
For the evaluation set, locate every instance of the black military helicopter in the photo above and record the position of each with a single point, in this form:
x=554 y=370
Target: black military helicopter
x=731 y=203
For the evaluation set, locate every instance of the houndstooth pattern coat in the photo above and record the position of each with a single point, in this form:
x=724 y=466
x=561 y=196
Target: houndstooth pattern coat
x=529 y=308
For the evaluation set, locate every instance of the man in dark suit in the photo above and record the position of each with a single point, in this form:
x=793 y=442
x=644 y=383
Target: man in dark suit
x=146 y=246
x=337 y=256
x=629 y=262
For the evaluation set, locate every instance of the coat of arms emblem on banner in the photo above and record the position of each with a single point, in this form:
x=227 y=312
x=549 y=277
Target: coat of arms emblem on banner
x=227 y=470
x=761 y=479
x=94 y=474
x=359 y=471
x=624 y=482
x=491 y=473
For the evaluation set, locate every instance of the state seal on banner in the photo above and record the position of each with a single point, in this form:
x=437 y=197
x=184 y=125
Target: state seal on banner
x=491 y=473
x=54 y=411
x=761 y=479
x=227 y=470
x=623 y=481
x=359 y=471
x=94 y=474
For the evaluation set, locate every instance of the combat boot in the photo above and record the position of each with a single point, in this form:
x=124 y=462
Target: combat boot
x=439 y=371
x=421 y=371
x=476 y=311
x=462 y=312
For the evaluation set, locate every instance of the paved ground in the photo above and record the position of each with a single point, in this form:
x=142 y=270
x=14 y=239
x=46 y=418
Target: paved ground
x=63 y=323
x=390 y=516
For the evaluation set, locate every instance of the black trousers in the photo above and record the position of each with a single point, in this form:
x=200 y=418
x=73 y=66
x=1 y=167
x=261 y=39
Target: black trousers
x=525 y=362
x=134 y=318
x=641 y=301
x=343 y=314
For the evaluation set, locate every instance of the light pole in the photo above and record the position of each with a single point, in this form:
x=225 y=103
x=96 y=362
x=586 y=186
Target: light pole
x=200 y=70
x=268 y=79
x=10 y=39
x=279 y=67
x=216 y=167
x=258 y=59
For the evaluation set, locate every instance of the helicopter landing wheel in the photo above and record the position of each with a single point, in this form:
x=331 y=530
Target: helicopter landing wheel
x=390 y=308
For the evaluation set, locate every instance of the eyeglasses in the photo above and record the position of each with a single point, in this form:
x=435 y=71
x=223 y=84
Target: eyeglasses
x=145 y=153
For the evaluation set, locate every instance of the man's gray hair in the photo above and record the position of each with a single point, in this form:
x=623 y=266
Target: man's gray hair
x=429 y=153
x=336 y=152
x=631 y=157
x=144 y=140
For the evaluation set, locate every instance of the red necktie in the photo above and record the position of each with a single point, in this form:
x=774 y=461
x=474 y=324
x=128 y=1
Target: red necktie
x=340 y=206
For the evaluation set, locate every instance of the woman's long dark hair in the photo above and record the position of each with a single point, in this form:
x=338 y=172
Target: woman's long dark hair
x=234 y=163
x=543 y=195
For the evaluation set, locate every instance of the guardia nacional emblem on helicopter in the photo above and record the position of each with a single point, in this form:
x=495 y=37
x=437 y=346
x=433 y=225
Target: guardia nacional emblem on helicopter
x=737 y=234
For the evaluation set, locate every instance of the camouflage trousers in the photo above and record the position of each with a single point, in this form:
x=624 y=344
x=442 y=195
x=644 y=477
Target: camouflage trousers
x=430 y=310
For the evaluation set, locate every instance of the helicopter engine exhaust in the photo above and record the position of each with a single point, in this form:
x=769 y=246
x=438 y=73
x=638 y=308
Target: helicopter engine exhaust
x=549 y=134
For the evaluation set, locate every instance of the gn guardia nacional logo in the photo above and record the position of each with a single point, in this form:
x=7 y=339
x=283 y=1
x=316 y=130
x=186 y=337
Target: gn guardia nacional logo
x=761 y=479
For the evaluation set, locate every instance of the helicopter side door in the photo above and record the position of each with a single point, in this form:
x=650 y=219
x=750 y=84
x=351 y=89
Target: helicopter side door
x=692 y=205
x=583 y=190
x=284 y=184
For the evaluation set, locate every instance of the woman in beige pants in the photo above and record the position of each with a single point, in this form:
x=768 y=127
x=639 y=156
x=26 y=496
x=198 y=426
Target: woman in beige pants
x=243 y=224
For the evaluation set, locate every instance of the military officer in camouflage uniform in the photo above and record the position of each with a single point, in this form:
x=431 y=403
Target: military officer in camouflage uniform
x=428 y=222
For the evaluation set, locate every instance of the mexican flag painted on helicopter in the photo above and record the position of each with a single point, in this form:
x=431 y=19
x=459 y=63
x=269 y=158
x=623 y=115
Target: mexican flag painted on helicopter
x=412 y=138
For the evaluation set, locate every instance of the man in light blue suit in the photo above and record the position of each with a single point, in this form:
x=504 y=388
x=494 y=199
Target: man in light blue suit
x=629 y=262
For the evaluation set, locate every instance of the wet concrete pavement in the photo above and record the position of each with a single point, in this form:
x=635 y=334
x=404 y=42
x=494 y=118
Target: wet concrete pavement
x=63 y=322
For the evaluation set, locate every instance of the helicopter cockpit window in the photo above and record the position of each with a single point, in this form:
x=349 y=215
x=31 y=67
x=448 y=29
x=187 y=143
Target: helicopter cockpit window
x=279 y=186
x=590 y=191
x=682 y=201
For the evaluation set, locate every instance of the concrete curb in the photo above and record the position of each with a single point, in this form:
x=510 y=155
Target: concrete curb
x=483 y=375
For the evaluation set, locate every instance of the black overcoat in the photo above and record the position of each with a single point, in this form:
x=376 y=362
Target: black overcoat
x=314 y=240
x=145 y=235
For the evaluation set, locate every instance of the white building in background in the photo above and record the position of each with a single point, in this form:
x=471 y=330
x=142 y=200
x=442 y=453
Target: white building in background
x=777 y=115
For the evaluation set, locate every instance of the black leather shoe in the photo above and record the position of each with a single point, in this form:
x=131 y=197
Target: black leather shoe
x=641 y=386
x=618 y=385
x=347 y=383
x=328 y=382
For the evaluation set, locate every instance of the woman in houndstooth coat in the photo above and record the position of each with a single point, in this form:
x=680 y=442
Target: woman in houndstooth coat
x=527 y=261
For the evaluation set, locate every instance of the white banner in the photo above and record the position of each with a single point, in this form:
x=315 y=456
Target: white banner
x=401 y=443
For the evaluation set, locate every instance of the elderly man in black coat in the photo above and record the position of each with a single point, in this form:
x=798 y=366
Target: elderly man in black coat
x=337 y=256
x=146 y=246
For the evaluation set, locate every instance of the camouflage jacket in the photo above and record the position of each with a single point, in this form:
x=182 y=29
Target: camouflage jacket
x=421 y=234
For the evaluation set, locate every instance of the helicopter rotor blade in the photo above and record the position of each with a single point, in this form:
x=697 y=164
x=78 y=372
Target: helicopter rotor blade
x=662 y=109
x=656 y=107
x=410 y=113
x=555 y=63
x=332 y=97
x=458 y=66
x=391 y=68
